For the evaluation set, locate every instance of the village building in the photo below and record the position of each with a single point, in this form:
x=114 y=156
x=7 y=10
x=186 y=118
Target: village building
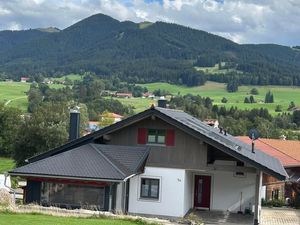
x=24 y=79
x=123 y=95
x=288 y=153
x=160 y=162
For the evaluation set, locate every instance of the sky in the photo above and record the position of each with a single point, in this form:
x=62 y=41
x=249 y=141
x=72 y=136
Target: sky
x=243 y=21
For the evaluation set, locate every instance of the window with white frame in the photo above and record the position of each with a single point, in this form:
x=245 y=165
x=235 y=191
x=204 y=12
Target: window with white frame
x=156 y=136
x=149 y=188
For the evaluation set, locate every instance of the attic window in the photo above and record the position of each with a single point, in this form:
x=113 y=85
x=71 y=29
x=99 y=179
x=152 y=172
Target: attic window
x=156 y=136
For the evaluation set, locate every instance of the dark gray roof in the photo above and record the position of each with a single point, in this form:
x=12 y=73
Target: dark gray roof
x=90 y=161
x=236 y=147
x=193 y=126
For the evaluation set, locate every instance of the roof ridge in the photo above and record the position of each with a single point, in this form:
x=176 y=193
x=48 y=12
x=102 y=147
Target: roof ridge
x=279 y=150
x=108 y=159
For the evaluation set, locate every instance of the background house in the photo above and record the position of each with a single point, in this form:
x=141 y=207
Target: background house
x=288 y=152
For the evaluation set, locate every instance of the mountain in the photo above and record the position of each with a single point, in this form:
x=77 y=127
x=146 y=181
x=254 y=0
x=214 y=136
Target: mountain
x=143 y=52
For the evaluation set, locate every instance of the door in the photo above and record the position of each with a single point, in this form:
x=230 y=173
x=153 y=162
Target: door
x=202 y=191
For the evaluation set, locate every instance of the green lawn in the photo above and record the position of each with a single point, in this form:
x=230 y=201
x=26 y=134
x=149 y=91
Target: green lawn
x=6 y=164
x=37 y=219
x=14 y=93
x=139 y=104
x=282 y=95
x=70 y=76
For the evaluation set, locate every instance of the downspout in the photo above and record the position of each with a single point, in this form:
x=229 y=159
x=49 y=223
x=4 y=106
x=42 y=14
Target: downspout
x=12 y=190
x=126 y=178
x=125 y=193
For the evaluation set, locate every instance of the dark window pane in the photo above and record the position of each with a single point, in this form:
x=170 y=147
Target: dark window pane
x=149 y=188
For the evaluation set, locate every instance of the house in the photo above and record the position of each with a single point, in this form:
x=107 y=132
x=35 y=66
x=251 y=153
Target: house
x=159 y=162
x=288 y=153
x=111 y=116
x=123 y=95
x=212 y=122
x=24 y=79
x=148 y=95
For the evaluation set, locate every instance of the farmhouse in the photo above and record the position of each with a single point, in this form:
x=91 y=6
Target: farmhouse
x=159 y=162
x=123 y=95
x=288 y=153
x=24 y=79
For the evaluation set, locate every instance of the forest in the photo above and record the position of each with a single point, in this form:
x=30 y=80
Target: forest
x=158 y=52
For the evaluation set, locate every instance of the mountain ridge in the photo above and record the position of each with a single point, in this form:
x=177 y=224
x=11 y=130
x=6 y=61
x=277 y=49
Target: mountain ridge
x=156 y=52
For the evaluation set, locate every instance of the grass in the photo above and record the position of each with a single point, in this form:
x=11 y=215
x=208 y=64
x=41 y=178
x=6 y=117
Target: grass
x=283 y=95
x=139 y=104
x=71 y=76
x=215 y=69
x=37 y=219
x=14 y=93
x=6 y=164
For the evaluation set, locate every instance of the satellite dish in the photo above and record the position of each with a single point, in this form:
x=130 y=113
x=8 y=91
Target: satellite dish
x=253 y=134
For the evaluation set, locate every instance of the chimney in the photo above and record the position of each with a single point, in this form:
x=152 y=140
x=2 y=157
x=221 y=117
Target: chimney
x=162 y=103
x=74 y=124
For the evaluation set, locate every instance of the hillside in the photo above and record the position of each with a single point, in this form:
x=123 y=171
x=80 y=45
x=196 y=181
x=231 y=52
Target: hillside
x=145 y=52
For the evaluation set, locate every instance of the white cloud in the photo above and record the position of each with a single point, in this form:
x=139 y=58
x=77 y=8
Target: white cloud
x=244 y=21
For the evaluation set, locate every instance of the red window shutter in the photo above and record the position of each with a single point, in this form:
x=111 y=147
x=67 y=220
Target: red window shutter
x=170 y=138
x=142 y=136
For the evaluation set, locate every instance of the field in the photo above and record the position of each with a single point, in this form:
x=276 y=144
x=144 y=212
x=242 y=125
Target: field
x=282 y=95
x=6 y=164
x=14 y=93
x=139 y=104
x=37 y=219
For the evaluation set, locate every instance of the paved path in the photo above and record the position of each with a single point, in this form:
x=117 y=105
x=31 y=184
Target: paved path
x=273 y=216
x=270 y=216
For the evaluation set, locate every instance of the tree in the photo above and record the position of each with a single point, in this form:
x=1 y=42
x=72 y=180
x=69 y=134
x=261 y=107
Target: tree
x=269 y=98
x=224 y=100
x=251 y=99
x=291 y=105
x=232 y=86
x=10 y=121
x=45 y=129
x=247 y=100
x=254 y=91
x=296 y=117
x=278 y=108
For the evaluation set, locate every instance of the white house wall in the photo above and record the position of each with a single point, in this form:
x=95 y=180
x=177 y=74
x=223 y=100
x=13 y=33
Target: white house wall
x=228 y=191
x=171 y=196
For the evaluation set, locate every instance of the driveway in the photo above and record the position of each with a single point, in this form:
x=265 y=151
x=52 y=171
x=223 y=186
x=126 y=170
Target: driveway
x=270 y=216
x=279 y=216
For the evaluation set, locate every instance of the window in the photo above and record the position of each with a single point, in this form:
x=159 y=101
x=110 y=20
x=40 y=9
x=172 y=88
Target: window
x=150 y=188
x=156 y=136
x=71 y=195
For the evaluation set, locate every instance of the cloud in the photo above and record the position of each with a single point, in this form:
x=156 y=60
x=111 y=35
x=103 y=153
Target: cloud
x=243 y=21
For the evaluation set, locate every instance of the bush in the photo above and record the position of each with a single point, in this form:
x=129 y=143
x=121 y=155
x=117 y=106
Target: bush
x=274 y=203
x=6 y=200
x=224 y=100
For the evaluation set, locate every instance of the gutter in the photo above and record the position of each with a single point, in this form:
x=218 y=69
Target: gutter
x=64 y=177
x=5 y=185
x=126 y=178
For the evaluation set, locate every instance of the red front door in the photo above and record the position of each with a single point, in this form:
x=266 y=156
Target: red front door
x=202 y=191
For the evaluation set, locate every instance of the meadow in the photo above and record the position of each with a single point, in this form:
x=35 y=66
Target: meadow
x=37 y=219
x=6 y=164
x=282 y=95
x=14 y=94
